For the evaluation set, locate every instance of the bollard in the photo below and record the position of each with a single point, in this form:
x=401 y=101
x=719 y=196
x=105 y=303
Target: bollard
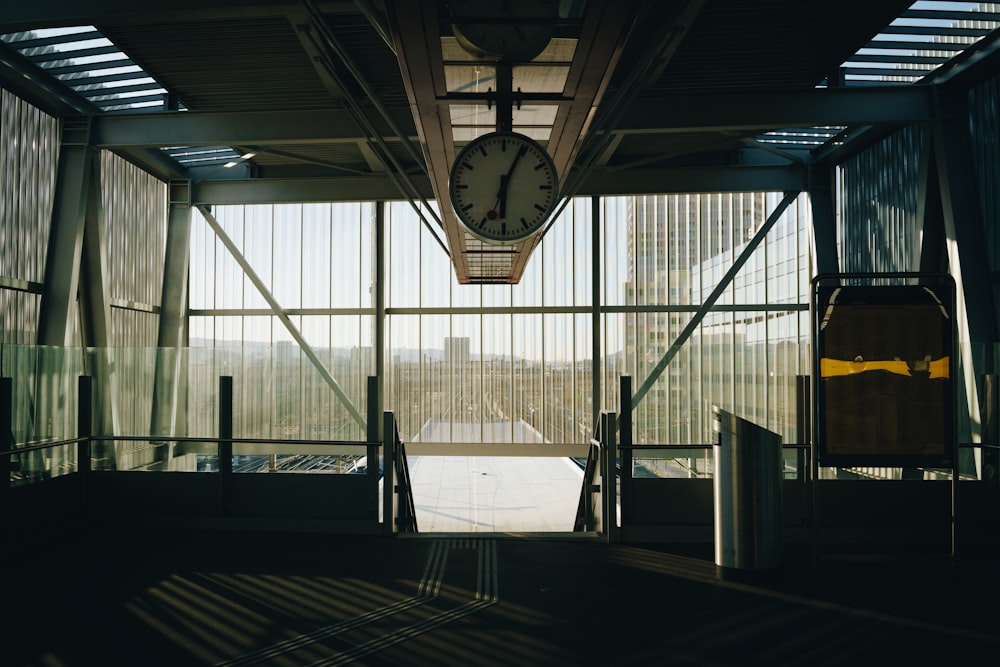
x=748 y=472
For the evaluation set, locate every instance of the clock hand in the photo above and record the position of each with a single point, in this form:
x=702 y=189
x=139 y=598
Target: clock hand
x=505 y=181
x=500 y=200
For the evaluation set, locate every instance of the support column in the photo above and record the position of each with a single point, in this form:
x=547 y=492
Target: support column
x=966 y=248
x=95 y=318
x=824 y=217
x=379 y=296
x=930 y=216
x=169 y=397
x=609 y=480
x=595 y=314
x=390 y=498
x=74 y=268
x=65 y=249
x=225 y=441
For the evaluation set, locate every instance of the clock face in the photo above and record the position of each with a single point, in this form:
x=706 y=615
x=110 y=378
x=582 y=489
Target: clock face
x=503 y=187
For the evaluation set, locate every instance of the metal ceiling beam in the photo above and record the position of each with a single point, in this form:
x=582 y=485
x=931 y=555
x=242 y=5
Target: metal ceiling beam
x=687 y=180
x=271 y=128
x=601 y=182
x=154 y=161
x=890 y=105
x=291 y=190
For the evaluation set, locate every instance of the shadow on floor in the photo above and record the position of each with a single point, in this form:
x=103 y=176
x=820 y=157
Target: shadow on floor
x=198 y=598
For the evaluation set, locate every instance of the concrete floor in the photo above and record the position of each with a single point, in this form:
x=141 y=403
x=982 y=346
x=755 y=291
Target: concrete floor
x=155 y=598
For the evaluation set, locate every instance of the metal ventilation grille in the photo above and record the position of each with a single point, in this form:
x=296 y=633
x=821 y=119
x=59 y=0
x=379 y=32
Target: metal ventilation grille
x=488 y=262
x=86 y=62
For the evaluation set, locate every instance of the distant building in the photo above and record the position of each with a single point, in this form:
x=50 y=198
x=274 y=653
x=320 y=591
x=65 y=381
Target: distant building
x=456 y=351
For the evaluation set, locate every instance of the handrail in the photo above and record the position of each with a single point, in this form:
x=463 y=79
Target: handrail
x=169 y=438
x=42 y=445
x=699 y=445
x=246 y=441
x=408 y=518
x=585 y=520
x=406 y=521
x=787 y=445
x=31 y=447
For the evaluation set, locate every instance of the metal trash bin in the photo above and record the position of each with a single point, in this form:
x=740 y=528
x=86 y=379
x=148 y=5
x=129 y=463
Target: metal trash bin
x=747 y=483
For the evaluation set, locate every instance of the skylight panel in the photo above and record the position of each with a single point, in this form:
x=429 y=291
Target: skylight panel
x=919 y=41
x=88 y=63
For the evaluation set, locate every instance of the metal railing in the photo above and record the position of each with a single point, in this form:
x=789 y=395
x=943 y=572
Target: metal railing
x=224 y=443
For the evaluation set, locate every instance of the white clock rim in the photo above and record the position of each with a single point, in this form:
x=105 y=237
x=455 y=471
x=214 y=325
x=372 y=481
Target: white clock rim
x=467 y=225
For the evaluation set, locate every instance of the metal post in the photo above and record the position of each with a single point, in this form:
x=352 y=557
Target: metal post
x=84 y=429
x=609 y=483
x=990 y=440
x=225 y=439
x=595 y=315
x=371 y=453
x=504 y=97
x=803 y=432
x=803 y=426
x=625 y=384
x=388 y=473
x=597 y=517
x=6 y=431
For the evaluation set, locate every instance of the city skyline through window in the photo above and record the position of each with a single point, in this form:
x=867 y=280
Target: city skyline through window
x=522 y=352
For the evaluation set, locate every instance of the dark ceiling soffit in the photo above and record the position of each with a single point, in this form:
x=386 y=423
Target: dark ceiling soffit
x=600 y=183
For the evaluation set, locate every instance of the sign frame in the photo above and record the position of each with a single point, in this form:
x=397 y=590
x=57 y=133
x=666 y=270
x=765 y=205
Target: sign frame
x=877 y=401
